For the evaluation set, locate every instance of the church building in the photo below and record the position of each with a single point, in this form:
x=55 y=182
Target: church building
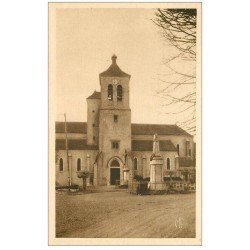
x=110 y=146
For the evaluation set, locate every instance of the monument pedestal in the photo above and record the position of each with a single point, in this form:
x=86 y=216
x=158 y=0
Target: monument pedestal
x=156 y=168
x=156 y=174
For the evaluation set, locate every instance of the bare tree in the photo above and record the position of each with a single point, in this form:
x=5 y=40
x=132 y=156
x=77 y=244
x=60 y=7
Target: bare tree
x=178 y=28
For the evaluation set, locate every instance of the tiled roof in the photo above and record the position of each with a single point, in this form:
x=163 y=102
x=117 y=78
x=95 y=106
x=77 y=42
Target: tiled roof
x=160 y=129
x=186 y=162
x=74 y=145
x=72 y=127
x=137 y=145
x=114 y=70
x=95 y=95
x=136 y=129
x=146 y=145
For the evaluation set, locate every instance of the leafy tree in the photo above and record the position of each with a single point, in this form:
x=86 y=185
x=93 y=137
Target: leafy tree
x=83 y=175
x=138 y=178
x=171 y=173
x=178 y=28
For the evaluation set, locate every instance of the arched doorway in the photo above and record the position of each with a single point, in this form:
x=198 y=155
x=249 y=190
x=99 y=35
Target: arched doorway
x=115 y=173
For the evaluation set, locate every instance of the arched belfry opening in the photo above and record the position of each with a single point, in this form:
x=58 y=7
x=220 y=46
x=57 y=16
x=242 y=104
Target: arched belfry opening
x=119 y=93
x=110 y=92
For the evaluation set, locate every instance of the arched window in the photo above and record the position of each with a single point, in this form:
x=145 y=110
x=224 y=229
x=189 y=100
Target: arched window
x=78 y=167
x=119 y=93
x=110 y=92
x=135 y=164
x=178 y=148
x=168 y=164
x=61 y=165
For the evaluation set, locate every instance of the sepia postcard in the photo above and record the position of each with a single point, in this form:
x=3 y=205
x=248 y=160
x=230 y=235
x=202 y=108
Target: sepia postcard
x=124 y=123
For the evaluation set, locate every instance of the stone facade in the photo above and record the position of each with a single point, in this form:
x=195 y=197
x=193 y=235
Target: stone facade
x=108 y=145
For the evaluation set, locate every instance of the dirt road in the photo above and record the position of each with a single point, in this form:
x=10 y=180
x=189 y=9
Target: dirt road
x=120 y=214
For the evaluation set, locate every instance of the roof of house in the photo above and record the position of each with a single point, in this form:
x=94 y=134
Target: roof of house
x=147 y=145
x=74 y=145
x=114 y=70
x=95 y=95
x=136 y=129
x=79 y=144
x=186 y=162
x=72 y=127
x=160 y=129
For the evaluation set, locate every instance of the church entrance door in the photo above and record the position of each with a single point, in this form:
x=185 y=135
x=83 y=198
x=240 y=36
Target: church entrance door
x=114 y=172
x=114 y=175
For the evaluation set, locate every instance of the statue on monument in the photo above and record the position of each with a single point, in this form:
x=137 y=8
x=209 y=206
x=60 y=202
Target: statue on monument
x=156 y=147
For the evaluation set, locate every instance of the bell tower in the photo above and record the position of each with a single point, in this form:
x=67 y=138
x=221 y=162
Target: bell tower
x=114 y=87
x=114 y=116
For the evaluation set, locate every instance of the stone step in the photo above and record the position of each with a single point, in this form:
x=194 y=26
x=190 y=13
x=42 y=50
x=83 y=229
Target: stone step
x=104 y=188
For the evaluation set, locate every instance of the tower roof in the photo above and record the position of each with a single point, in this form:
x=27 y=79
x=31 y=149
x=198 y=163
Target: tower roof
x=95 y=95
x=114 y=70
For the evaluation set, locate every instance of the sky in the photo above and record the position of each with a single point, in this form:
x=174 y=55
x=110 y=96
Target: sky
x=85 y=41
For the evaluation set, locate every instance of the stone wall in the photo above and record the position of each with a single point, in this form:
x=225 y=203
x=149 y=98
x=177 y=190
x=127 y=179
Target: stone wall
x=87 y=160
x=110 y=132
x=143 y=158
x=105 y=103
x=93 y=106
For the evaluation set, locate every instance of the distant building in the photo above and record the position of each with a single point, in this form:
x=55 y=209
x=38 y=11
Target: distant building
x=111 y=147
